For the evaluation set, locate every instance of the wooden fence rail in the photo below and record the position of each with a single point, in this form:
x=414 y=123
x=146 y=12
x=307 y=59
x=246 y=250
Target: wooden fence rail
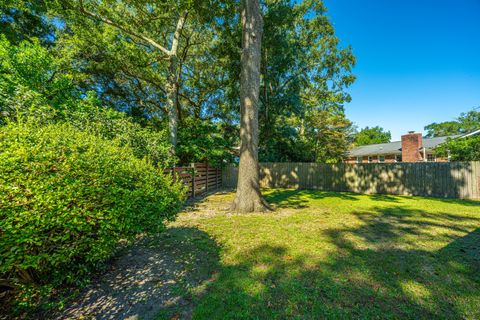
x=435 y=179
x=198 y=178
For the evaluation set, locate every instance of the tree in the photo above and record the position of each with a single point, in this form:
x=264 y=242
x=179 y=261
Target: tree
x=372 y=135
x=33 y=86
x=131 y=76
x=305 y=74
x=147 y=37
x=31 y=83
x=248 y=197
x=461 y=149
x=106 y=46
x=465 y=123
x=327 y=135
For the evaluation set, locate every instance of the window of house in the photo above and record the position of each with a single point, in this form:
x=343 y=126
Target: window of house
x=370 y=159
x=398 y=158
x=431 y=158
x=381 y=159
x=359 y=159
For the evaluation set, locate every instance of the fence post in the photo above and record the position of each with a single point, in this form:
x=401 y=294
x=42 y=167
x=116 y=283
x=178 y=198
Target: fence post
x=216 y=178
x=193 y=179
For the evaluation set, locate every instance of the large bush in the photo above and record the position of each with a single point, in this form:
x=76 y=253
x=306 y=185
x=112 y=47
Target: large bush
x=66 y=199
x=109 y=124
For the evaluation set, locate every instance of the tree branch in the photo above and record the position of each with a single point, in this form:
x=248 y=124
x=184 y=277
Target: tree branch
x=178 y=32
x=126 y=30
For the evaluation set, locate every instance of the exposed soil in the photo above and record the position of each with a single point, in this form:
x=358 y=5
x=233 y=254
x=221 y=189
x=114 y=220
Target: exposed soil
x=157 y=278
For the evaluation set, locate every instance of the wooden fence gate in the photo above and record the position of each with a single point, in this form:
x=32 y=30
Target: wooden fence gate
x=199 y=178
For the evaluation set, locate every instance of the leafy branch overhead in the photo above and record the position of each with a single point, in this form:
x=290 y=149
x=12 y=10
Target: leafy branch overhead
x=176 y=65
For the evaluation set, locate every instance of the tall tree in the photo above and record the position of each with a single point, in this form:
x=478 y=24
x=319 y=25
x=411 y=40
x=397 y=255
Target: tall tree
x=372 y=135
x=303 y=82
x=248 y=197
x=152 y=30
x=305 y=74
x=326 y=135
x=460 y=149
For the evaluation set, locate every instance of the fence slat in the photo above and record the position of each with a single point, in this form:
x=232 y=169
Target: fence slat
x=198 y=178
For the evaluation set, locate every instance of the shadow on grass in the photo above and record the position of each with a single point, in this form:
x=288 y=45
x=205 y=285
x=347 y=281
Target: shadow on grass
x=298 y=199
x=388 y=266
x=159 y=275
x=375 y=271
x=301 y=198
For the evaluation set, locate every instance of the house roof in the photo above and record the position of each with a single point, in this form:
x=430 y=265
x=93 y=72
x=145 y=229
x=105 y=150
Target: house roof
x=395 y=147
x=374 y=149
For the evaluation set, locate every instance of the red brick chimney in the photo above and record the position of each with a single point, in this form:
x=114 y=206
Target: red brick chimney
x=411 y=145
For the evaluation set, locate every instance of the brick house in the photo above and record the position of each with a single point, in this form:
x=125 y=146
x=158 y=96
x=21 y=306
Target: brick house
x=412 y=148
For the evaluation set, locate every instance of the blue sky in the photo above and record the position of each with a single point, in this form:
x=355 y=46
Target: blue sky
x=418 y=62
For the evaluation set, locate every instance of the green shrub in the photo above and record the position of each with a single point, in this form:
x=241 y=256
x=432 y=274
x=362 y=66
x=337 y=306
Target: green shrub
x=463 y=149
x=66 y=199
x=107 y=123
x=33 y=85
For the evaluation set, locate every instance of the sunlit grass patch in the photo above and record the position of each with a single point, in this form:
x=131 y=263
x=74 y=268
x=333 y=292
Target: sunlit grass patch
x=342 y=255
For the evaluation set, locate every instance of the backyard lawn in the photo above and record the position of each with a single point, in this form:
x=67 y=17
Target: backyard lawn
x=333 y=255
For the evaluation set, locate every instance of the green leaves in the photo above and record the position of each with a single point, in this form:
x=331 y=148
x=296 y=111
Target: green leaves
x=465 y=123
x=305 y=74
x=200 y=141
x=67 y=197
x=371 y=135
x=28 y=81
x=461 y=149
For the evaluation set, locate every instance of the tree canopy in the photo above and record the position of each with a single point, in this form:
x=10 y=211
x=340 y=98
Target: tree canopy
x=372 y=135
x=465 y=123
x=176 y=65
x=460 y=149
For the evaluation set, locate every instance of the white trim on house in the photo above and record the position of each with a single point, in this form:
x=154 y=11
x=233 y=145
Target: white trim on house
x=471 y=134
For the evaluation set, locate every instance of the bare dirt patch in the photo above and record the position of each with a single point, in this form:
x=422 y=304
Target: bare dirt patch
x=156 y=278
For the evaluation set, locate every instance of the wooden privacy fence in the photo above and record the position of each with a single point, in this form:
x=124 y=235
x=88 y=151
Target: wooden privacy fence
x=435 y=179
x=198 y=178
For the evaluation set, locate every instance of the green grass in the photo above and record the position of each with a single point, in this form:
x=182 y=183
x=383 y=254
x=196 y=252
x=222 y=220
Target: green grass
x=340 y=256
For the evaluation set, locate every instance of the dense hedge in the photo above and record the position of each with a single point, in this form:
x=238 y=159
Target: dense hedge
x=66 y=199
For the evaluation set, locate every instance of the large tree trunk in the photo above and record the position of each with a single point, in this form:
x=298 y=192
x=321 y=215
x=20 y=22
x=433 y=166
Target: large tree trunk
x=248 y=197
x=171 y=89
x=172 y=85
